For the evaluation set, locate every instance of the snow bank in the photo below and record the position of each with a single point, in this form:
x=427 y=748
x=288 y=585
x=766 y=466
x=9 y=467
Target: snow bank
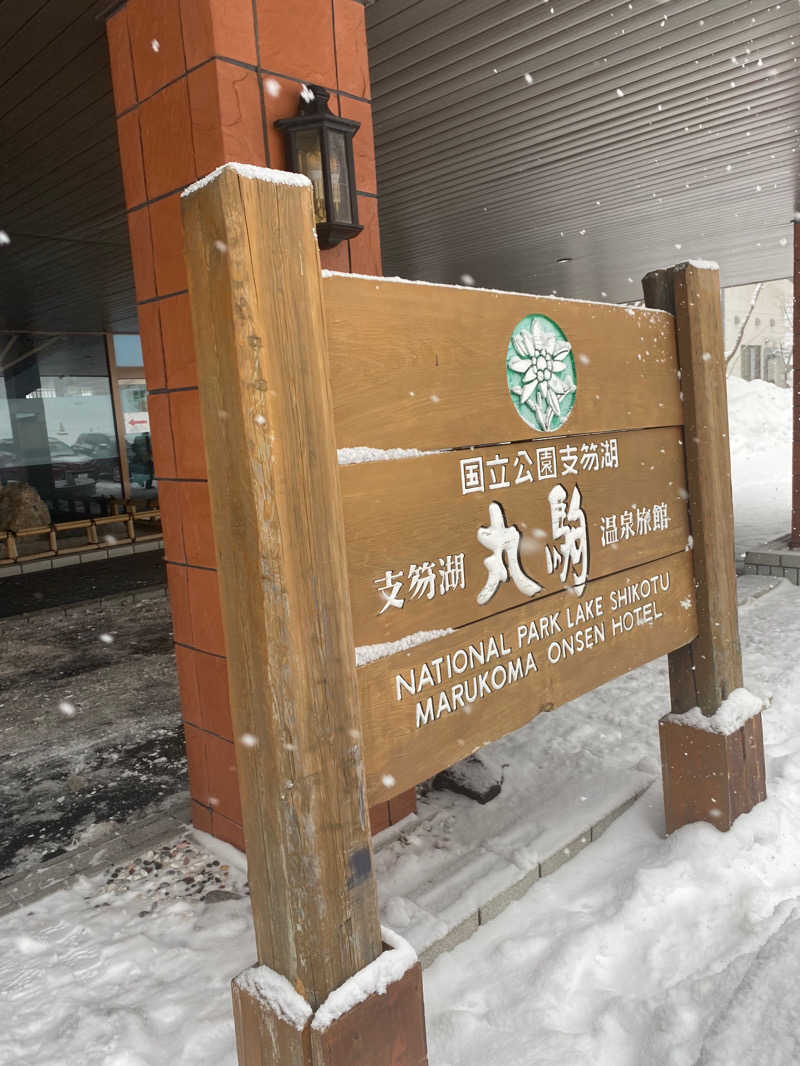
x=247 y=170
x=759 y=416
x=374 y=979
x=731 y=714
x=276 y=991
x=760 y=423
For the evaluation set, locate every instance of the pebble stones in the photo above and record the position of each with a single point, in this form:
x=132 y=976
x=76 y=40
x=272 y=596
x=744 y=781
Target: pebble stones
x=180 y=870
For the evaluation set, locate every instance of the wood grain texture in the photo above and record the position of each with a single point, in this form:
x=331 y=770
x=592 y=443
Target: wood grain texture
x=710 y=777
x=423 y=366
x=399 y=752
x=707 y=672
x=386 y=1029
x=254 y=285
x=400 y=514
x=262 y=1037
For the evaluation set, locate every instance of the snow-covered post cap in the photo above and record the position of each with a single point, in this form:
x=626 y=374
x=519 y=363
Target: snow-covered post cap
x=248 y=170
x=698 y=264
x=729 y=717
x=374 y=980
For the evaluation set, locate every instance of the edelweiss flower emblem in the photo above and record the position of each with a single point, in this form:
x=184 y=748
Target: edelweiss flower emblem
x=541 y=373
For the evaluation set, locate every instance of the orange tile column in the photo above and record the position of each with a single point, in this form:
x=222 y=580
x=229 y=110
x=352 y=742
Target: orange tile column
x=198 y=83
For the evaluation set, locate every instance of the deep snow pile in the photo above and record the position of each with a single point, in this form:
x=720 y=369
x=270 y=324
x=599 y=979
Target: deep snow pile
x=760 y=419
x=642 y=951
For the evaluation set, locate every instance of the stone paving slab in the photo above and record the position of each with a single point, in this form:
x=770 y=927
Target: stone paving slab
x=95 y=855
x=163 y=826
x=56 y=588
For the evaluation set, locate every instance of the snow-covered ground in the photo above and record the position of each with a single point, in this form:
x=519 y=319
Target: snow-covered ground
x=641 y=951
x=760 y=417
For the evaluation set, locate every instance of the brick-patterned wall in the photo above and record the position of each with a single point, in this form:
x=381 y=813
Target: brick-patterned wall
x=198 y=83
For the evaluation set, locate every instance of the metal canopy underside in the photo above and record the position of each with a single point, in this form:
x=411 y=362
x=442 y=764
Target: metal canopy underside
x=68 y=265
x=621 y=136
x=480 y=172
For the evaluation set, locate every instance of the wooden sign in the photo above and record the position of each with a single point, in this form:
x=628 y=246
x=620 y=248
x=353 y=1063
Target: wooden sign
x=430 y=706
x=424 y=366
x=457 y=543
x=415 y=547
x=491 y=502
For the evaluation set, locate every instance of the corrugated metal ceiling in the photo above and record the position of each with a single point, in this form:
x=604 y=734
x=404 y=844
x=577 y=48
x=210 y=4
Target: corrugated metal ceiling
x=621 y=136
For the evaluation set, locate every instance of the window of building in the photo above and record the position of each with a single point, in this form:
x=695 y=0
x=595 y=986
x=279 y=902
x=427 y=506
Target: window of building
x=63 y=402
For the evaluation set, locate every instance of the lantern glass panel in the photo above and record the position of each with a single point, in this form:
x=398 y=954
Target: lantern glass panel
x=309 y=162
x=341 y=207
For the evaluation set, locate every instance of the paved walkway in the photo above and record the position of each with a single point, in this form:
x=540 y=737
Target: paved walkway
x=58 y=589
x=90 y=726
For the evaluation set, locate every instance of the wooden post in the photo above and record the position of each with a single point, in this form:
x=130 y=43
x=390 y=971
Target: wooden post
x=259 y=332
x=705 y=672
x=254 y=283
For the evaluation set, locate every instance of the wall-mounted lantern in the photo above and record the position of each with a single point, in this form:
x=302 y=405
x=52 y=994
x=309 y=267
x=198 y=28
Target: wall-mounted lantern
x=320 y=145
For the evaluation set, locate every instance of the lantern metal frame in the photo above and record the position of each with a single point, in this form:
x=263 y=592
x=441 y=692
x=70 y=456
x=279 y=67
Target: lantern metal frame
x=316 y=115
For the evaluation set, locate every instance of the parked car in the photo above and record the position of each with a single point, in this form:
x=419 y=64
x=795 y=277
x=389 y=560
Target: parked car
x=70 y=469
x=102 y=448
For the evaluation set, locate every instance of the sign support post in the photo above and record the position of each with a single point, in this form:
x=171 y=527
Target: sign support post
x=708 y=776
x=259 y=330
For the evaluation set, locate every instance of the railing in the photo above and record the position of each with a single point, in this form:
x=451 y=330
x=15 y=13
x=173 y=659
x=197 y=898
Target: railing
x=133 y=527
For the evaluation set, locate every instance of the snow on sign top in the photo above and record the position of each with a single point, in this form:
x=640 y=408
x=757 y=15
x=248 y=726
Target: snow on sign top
x=381 y=279
x=247 y=170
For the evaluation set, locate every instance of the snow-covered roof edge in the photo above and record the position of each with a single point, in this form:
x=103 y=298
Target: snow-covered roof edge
x=374 y=979
x=248 y=170
x=496 y=292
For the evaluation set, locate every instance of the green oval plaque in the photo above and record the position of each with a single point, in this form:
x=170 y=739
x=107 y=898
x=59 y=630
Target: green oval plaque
x=540 y=369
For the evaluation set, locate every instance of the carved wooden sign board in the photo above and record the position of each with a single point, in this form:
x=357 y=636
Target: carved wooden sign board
x=515 y=508
x=438 y=512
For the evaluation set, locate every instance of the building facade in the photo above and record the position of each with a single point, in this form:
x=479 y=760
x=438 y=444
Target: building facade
x=758 y=331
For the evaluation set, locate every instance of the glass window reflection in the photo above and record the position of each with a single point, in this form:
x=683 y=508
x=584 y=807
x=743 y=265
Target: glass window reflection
x=57 y=428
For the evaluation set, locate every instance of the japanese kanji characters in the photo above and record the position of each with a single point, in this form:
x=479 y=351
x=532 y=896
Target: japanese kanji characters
x=636 y=522
x=423 y=581
x=571 y=551
x=389 y=587
x=451 y=573
x=471 y=475
x=481 y=473
x=503 y=543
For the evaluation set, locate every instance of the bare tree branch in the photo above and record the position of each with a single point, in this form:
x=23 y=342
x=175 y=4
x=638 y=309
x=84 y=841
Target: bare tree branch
x=747 y=318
